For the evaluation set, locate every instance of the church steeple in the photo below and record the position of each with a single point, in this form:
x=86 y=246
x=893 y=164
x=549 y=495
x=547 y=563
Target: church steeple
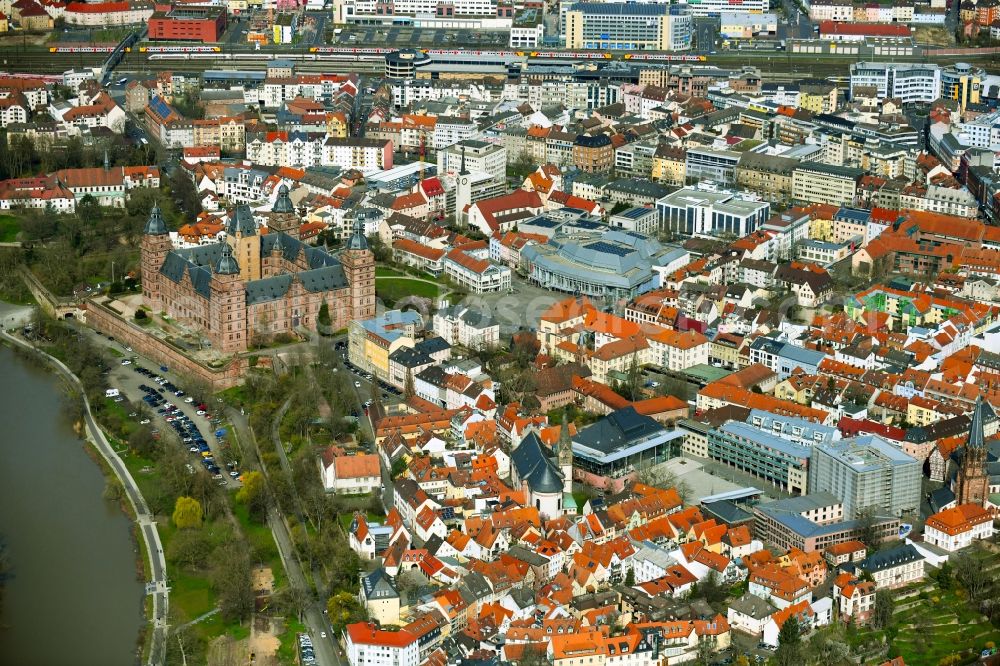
x=972 y=482
x=976 y=437
x=564 y=458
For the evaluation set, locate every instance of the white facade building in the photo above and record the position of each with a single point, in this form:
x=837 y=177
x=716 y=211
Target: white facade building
x=367 y=646
x=958 y=527
x=909 y=82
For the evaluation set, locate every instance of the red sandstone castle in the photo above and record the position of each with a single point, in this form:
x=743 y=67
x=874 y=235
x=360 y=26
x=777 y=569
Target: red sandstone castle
x=256 y=286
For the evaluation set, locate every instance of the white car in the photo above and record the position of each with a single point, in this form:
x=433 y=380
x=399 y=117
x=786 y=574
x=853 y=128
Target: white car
x=126 y=362
x=189 y=400
x=144 y=422
x=201 y=412
x=357 y=384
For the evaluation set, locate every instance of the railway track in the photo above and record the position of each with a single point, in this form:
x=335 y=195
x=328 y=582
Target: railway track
x=774 y=65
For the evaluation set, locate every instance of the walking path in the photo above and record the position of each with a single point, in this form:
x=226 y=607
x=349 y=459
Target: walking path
x=143 y=517
x=327 y=652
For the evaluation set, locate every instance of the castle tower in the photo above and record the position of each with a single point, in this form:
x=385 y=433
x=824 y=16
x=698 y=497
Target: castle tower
x=227 y=305
x=274 y=261
x=241 y=235
x=359 y=268
x=283 y=217
x=153 y=251
x=972 y=483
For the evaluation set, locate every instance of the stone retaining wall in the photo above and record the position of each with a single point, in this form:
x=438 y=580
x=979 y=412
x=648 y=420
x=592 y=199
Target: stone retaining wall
x=103 y=319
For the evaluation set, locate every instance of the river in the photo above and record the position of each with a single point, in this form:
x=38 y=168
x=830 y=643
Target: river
x=74 y=598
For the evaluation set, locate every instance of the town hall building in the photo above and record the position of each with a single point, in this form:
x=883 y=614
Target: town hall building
x=256 y=286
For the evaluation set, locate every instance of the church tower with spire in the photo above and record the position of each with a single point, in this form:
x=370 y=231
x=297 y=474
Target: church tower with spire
x=564 y=459
x=153 y=251
x=359 y=269
x=972 y=484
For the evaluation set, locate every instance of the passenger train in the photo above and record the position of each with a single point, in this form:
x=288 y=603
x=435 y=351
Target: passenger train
x=370 y=53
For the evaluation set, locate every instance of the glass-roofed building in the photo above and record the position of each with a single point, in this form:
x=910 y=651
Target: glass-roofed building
x=599 y=263
x=609 y=453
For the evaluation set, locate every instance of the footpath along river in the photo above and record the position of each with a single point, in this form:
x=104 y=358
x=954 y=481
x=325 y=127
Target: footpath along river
x=74 y=597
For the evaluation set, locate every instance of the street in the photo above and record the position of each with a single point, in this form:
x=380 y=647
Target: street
x=327 y=650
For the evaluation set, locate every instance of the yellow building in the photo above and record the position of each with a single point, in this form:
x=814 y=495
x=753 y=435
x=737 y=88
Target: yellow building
x=922 y=412
x=669 y=165
x=725 y=350
x=768 y=175
x=795 y=390
x=818 y=97
x=370 y=342
x=337 y=125
x=821 y=229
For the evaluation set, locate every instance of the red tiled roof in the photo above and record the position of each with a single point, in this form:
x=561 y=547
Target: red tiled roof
x=365 y=633
x=418 y=249
x=863 y=29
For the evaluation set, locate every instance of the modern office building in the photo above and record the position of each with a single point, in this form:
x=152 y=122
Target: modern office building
x=472 y=156
x=769 y=457
x=817 y=182
x=718 y=166
x=704 y=212
x=962 y=82
x=813 y=522
x=867 y=472
x=908 y=82
x=627 y=26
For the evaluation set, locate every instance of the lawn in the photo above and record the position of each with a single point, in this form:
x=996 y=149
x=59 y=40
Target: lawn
x=9 y=228
x=288 y=652
x=236 y=395
x=393 y=289
x=346 y=518
x=385 y=271
x=191 y=595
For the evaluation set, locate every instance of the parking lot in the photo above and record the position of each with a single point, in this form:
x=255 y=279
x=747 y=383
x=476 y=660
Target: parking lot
x=159 y=403
x=420 y=37
x=307 y=655
x=518 y=309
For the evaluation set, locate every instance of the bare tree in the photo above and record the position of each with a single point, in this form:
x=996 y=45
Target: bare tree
x=971 y=575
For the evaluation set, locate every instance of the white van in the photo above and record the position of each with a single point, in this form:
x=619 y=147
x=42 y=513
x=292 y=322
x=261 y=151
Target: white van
x=111 y=393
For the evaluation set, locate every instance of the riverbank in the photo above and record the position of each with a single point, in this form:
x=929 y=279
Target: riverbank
x=146 y=535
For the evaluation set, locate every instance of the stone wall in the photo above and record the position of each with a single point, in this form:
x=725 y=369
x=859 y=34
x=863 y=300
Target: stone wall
x=106 y=321
x=49 y=303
